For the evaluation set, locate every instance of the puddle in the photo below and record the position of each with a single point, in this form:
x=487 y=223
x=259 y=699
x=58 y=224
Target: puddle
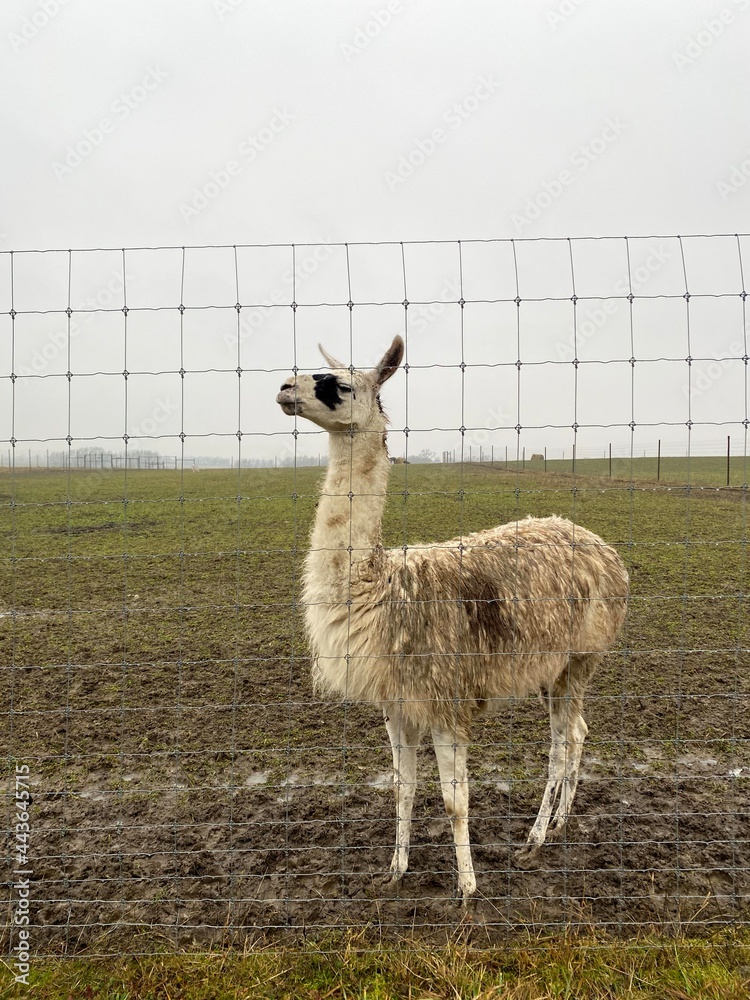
x=384 y=780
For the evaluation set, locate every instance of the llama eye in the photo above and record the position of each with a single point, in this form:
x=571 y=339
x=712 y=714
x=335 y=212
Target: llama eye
x=343 y=387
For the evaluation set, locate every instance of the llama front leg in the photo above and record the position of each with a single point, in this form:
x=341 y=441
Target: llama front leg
x=454 y=781
x=404 y=742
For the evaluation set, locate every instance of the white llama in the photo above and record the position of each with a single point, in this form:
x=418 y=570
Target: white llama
x=436 y=633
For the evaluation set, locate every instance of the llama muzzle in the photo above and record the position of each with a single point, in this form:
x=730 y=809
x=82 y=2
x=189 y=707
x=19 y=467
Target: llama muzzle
x=288 y=401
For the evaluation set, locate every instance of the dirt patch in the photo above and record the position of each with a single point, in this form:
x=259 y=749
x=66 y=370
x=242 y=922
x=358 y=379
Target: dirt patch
x=87 y=529
x=82 y=529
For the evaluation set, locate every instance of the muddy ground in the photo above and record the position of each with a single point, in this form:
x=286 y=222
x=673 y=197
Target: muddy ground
x=259 y=862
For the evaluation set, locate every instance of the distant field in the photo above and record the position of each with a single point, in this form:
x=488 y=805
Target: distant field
x=699 y=470
x=188 y=783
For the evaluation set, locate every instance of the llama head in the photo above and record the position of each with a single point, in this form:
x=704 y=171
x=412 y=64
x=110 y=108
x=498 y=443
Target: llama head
x=341 y=399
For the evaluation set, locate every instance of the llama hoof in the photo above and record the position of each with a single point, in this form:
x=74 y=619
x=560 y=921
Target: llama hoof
x=385 y=884
x=467 y=893
x=528 y=855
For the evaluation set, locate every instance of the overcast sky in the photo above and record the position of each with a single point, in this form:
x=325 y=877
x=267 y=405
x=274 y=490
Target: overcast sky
x=313 y=122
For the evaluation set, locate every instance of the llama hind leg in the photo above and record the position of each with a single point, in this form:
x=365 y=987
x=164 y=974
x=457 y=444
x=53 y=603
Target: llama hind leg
x=577 y=730
x=553 y=788
x=566 y=713
x=454 y=781
x=404 y=742
x=568 y=732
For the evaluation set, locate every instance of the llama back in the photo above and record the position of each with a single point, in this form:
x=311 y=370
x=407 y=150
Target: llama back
x=512 y=602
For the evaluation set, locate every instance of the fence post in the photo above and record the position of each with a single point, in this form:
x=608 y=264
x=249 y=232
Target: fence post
x=728 y=447
x=545 y=458
x=658 y=461
x=610 y=459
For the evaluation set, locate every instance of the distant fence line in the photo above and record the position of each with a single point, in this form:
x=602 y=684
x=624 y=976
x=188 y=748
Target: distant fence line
x=539 y=460
x=26 y=459
x=557 y=459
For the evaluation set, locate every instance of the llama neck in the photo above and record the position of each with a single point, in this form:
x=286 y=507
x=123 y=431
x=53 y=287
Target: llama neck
x=350 y=508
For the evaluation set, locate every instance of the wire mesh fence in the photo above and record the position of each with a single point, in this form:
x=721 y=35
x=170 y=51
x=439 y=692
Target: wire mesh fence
x=174 y=778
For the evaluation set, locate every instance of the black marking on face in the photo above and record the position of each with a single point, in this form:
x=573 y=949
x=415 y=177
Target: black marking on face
x=328 y=390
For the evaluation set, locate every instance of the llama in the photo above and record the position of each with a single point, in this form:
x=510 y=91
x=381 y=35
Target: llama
x=435 y=634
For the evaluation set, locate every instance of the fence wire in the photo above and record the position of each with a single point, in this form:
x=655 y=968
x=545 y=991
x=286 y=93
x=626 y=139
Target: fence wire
x=173 y=777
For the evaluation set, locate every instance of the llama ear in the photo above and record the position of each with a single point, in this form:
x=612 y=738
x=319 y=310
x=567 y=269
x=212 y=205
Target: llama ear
x=332 y=362
x=389 y=363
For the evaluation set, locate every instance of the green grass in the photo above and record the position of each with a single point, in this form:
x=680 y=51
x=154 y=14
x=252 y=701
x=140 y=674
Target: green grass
x=594 y=968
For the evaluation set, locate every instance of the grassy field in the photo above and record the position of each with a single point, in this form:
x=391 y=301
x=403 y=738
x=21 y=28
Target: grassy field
x=190 y=791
